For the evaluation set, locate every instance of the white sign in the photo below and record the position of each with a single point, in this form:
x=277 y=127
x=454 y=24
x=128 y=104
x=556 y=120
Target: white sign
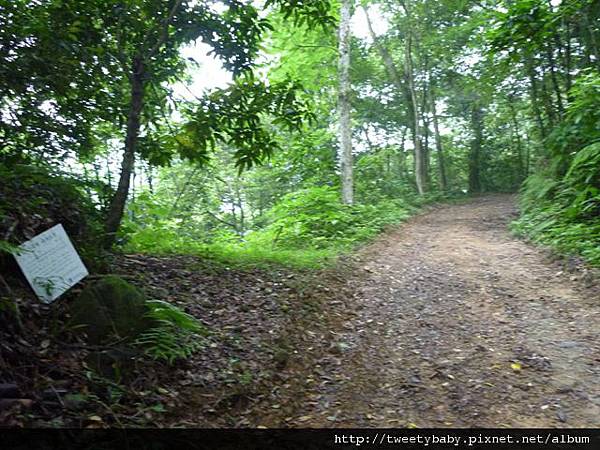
x=50 y=263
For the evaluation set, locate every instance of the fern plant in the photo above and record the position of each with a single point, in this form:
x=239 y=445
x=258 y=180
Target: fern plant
x=7 y=247
x=177 y=335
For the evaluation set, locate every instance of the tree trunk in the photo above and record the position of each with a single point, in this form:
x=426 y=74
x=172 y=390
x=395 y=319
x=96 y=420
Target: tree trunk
x=86 y=174
x=426 y=152
x=344 y=104
x=240 y=205
x=592 y=42
x=150 y=178
x=117 y=204
x=132 y=189
x=420 y=164
x=568 y=59
x=548 y=104
x=535 y=100
x=426 y=134
x=109 y=179
x=395 y=77
x=438 y=143
x=368 y=139
x=97 y=173
x=402 y=168
x=517 y=133
x=554 y=79
x=388 y=62
x=475 y=151
x=136 y=104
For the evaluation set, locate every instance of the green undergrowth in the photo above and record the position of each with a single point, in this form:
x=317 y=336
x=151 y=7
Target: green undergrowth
x=560 y=204
x=564 y=218
x=545 y=226
x=242 y=254
x=306 y=229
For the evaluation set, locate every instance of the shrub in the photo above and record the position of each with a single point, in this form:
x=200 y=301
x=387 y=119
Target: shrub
x=315 y=218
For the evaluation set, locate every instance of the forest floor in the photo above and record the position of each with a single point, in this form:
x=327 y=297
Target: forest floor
x=445 y=320
x=454 y=322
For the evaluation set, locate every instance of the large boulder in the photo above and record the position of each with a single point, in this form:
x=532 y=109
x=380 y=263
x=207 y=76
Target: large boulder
x=111 y=310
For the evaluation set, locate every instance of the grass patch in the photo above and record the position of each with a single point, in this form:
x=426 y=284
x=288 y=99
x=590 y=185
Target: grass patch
x=255 y=256
x=308 y=229
x=237 y=254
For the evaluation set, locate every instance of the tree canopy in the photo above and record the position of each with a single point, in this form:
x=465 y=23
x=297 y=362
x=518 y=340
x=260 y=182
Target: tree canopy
x=440 y=98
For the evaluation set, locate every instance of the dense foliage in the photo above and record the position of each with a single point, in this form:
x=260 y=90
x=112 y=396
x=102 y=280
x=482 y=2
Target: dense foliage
x=561 y=203
x=446 y=98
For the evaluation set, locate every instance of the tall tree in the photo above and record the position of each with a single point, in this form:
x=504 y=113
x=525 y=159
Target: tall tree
x=441 y=159
x=421 y=164
x=399 y=81
x=157 y=38
x=234 y=36
x=344 y=105
x=475 y=147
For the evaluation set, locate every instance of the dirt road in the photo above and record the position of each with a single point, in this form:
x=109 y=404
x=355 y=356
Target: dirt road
x=457 y=323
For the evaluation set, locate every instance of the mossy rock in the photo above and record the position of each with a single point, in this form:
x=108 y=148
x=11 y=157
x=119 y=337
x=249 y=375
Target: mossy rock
x=111 y=309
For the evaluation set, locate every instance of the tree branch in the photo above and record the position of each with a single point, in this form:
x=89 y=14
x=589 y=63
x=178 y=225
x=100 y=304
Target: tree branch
x=165 y=31
x=214 y=216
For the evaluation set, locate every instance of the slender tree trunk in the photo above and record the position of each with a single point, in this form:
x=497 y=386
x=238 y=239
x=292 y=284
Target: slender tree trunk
x=368 y=139
x=517 y=133
x=426 y=133
x=475 y=150
x=548 y=104
x=580 y=30
x=234 y=216
x=117 y=205
x=554 y=78
x=420 y=165
x=594 y=48
x=535 y=100
x=150 y=178
x=421 y=171
x=438 y=143
x=108 y=172
x=568 y=58
x=344 y=104
x=137 y=80
x=399 y=81
x=181 y=191
x=403 y=169
x=132 y=191
x=86 y=174
x=97 y=172
x=426 y=152
x=385 y=55
x=240 y=206
x=527 y=158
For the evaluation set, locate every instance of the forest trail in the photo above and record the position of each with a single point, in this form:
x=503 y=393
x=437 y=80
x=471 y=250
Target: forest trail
x=459 y=324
